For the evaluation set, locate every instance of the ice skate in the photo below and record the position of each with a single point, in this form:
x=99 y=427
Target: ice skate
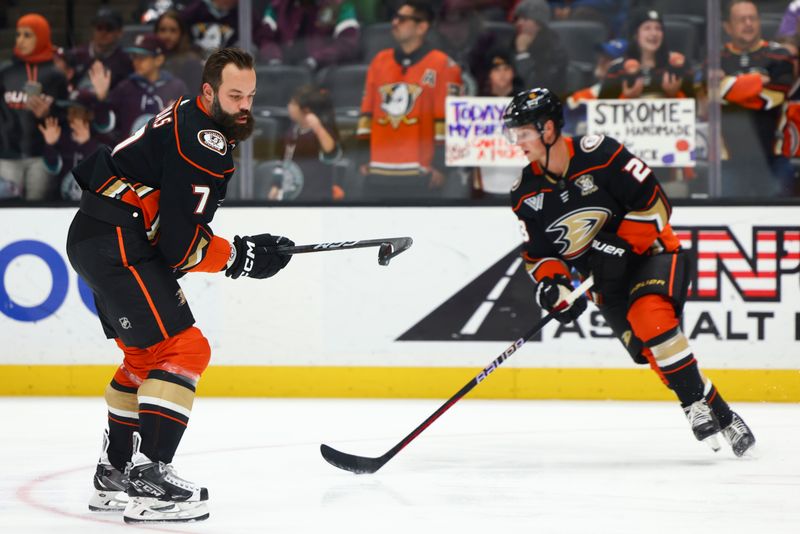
x=110 y=485
x=739 y=435
x=157 y=494
x=703 y=423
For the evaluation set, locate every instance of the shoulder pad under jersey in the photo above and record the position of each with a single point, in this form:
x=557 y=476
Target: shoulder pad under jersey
x=200 y=141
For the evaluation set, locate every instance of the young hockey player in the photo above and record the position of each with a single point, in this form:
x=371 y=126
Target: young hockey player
x=144 y=222
x=588 y=204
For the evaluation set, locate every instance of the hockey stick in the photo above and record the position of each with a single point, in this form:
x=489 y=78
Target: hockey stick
x=364 y=464
x=389 y=247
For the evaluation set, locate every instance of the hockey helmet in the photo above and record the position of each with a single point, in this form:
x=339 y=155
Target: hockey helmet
x=533 y=108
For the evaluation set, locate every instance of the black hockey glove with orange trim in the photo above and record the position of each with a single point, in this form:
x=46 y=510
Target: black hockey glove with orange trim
x=608 y=261
x=253 y=261
x=551 y=291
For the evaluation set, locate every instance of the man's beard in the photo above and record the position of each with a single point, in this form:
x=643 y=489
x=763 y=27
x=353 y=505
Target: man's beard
x=233 y=131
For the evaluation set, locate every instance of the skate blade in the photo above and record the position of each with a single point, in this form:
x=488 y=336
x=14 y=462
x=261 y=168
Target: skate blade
x=713 y=442
x=150 y=510
x=108 y=501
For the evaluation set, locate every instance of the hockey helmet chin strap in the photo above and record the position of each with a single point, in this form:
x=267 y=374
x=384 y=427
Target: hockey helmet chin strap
x=547 y=147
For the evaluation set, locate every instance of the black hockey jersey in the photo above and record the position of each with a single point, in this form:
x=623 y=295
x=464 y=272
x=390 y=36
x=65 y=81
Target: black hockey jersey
x=175 y=170
x=604 y=188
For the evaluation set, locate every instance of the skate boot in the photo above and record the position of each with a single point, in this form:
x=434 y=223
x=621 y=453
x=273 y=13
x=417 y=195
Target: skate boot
x=703 y=423
x=739 y=435
x=110 y=485
x=157 y=494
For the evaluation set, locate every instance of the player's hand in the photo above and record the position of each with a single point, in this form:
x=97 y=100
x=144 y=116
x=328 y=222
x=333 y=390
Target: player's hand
x=551 y=291
x=253 y=261
x=608 y=260
x=50 y=130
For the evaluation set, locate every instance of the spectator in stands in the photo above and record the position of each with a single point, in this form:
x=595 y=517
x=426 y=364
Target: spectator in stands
x=612 y=13
x=498 y=10
x=607 y=53
x=648 y=69
x=143 y=94
x=403 y=110
x=756 y=78
x=29 y=87
x=540 y=58
x=151 y=10
x=458 y=26
x=66 y=62
x=63 y=150
x=315 y=33
x=103 y=48
x=310 y=148
x=183 y=59
x=501 y=80
x=575 y=110
x=787 y=31
x=213 y=24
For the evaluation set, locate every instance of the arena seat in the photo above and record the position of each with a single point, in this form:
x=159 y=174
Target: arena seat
x=580 y=38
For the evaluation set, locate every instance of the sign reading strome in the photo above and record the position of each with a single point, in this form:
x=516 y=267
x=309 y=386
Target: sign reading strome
x=474 y=134
x=658 y=131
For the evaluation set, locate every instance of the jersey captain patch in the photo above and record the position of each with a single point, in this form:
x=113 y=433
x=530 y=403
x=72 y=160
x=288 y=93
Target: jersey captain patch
x=213 y=140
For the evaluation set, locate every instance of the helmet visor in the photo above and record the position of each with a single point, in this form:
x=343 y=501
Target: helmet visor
x=520 y=134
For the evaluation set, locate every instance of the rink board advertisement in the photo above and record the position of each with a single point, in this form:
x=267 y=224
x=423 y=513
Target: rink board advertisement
x=338 y=324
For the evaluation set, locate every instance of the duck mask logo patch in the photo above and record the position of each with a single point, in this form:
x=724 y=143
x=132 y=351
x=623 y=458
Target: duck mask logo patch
x=213 y=140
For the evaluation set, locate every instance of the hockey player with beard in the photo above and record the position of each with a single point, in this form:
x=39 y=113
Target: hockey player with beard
x=588 y=204
x=143 y=222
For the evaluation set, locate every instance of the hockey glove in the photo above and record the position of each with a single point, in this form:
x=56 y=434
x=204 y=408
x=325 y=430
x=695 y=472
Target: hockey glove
x=608 y=261
x=551 y=291
x=253 y=261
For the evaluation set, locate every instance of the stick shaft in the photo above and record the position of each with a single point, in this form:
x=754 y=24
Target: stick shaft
x=354 y=463
x=397 y=242
x=480 y=377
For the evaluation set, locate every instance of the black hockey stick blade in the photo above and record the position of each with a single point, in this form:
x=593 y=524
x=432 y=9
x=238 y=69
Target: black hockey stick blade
x=389 y=247
x=365 y=464
x=349 y=462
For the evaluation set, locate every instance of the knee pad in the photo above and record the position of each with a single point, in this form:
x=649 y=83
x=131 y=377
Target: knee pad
x=135 y=366
x=187 y=354
x=651 y=316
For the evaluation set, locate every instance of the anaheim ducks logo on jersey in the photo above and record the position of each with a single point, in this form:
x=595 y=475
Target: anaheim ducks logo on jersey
x=575 y=230
x=397 y=100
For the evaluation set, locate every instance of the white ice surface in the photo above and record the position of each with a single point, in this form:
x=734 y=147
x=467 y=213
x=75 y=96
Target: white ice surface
x=485 y=467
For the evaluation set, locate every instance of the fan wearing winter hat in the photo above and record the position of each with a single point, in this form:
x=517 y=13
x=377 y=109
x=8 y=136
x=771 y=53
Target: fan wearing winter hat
x=540 y=58
x=648 y=69
x=29 y=86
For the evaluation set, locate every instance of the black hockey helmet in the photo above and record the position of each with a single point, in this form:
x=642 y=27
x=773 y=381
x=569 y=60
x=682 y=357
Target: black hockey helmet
x=534 y=107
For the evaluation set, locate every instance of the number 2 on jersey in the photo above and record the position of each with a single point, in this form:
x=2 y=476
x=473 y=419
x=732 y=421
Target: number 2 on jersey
x=638 y=169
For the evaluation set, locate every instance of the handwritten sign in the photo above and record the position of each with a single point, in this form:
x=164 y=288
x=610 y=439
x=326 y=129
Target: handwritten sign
x=660 y=132
x=474 y=134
